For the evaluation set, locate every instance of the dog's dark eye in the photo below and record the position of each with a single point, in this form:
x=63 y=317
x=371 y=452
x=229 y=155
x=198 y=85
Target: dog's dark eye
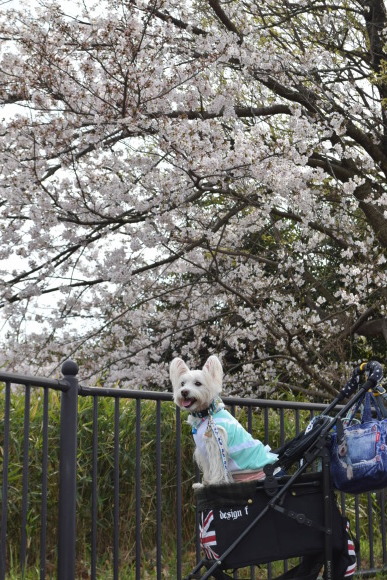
x=182 y=383
x=198 y=383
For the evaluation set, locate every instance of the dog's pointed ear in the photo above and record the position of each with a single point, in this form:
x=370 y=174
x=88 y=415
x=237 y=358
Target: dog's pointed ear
x=213 y=367
x=176 y=370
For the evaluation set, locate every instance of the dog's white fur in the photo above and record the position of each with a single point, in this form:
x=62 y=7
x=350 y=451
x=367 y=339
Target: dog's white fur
x=194 y=390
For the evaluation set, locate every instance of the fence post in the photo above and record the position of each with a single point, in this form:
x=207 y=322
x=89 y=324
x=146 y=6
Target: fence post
x=68 y=473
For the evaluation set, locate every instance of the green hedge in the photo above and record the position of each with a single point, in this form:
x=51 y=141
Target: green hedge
x=127 y=491
x=127 y=488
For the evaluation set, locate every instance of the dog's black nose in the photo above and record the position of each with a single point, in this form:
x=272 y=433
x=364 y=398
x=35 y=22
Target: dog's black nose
x=184 y=393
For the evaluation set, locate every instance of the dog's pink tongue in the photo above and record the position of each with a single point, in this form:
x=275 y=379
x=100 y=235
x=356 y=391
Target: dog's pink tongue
x=187 y=402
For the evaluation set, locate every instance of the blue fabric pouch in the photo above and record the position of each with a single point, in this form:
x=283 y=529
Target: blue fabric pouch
x=359 y=452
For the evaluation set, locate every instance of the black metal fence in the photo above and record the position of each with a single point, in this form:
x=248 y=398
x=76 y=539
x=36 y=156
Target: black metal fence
x=156 y=549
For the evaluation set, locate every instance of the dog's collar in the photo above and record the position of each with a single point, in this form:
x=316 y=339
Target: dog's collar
x=215 y=406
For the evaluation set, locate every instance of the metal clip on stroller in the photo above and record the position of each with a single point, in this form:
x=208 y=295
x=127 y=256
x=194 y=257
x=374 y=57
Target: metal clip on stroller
x=254 y=523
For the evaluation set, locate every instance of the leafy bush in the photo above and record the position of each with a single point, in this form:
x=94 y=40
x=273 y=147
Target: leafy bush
x=105 y=477
x=279 y=425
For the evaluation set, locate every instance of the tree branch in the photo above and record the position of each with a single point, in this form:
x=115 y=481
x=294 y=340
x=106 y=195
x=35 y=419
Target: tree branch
x=224 y=19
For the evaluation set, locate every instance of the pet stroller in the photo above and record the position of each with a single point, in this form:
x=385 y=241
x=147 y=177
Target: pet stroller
x=258 y=522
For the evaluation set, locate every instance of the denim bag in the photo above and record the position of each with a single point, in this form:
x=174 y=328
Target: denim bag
x=359 y=452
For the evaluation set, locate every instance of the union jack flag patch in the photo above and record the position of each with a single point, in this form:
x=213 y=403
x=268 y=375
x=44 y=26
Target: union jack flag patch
x=208 y=537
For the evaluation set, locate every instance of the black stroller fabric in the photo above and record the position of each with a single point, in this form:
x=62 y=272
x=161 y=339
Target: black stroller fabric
x=295 y=527
x=295 y=449
x=344 y=562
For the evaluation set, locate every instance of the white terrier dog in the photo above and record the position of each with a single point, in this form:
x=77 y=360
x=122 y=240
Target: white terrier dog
x=225 y=451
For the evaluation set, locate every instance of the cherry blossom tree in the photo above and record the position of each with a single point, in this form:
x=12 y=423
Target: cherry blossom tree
x=194 y=177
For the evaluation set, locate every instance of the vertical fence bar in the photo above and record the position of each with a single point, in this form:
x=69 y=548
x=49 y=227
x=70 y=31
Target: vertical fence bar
x=266 y=436
x=26 y=447
x=43 y=514
x=282 y=426
x=158 y=491
x=344 y=505
x=178 y=495
x=4 y=485
x=68 y=473
x=250 y=429
x=94 y=491
x=138 y=489
x=116 y=475
x=370 y=530
x=357 y=525
x=382 y=511
x=297 y=421
x=266 y=421
x=249 y=419
x=197 y=520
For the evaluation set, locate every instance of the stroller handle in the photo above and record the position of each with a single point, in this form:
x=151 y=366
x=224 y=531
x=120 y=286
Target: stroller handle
x=375 y=375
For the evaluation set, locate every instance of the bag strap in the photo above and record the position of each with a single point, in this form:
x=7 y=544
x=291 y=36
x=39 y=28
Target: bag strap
x=380 y=399
x=340 y=432
x=355 y=410
x=367 y=412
